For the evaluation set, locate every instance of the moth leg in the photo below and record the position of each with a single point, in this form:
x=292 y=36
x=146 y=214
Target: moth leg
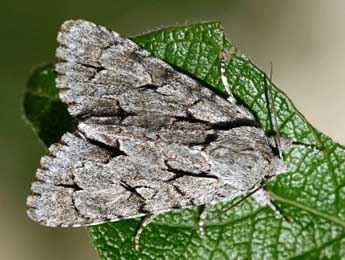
x=263 y=197
x=226 y=55
x=147 y=220
x=202 y=218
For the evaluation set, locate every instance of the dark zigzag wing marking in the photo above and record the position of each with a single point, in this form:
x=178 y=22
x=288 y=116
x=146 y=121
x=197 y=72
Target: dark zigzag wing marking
x=100 y=72
x=80 y=183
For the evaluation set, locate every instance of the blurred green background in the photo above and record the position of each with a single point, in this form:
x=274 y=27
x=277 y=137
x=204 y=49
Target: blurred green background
x=305 y=40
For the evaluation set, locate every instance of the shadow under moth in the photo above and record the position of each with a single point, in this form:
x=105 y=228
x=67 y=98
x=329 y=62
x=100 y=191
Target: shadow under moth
x=149 y=138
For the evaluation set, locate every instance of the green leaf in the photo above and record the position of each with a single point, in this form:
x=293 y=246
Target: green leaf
x=311 y=195
x=42 y=107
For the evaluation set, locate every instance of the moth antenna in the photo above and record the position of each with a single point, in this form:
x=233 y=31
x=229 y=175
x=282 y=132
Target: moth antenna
x=274 y=112
x=271 y=204
x=240 y=201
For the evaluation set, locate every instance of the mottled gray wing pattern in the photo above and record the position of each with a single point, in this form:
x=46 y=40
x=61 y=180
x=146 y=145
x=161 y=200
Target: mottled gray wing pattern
x=149 y=139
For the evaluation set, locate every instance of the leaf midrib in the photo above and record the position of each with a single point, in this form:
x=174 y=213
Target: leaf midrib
x=308 y=209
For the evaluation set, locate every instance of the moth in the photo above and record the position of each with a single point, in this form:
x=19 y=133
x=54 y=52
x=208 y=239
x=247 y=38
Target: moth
x=149 y=138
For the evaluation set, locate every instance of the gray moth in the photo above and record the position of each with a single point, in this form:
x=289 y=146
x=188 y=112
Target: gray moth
x=149 y=138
